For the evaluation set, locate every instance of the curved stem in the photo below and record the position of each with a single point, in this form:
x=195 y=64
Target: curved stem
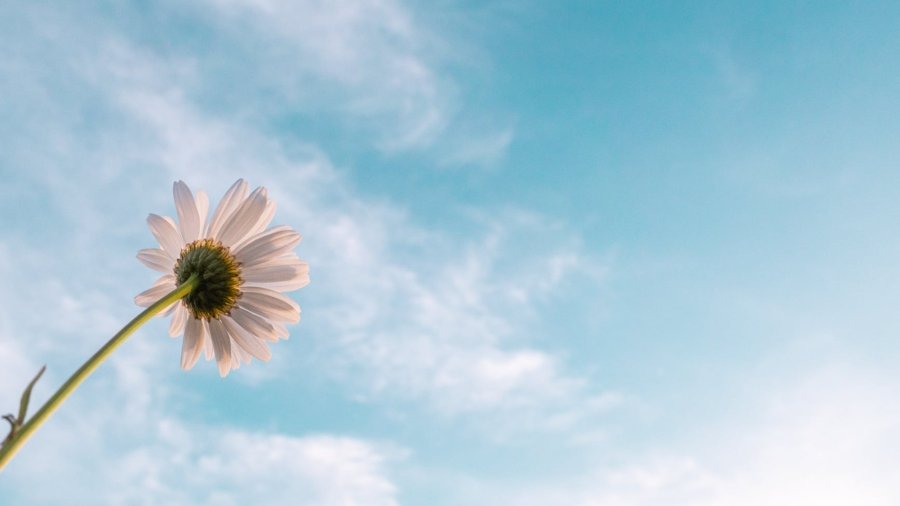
x=10 y=448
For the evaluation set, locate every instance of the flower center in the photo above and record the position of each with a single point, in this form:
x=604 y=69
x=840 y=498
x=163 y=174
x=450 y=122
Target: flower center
x=220 y=278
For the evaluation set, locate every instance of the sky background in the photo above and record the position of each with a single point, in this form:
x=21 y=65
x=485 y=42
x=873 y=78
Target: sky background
x=582 y=253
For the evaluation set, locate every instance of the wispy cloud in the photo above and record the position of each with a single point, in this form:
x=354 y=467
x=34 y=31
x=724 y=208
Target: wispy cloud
x=404 y=313
x=828 y=436
x=444 y=323
x=374 y=64
x=412 y=314
x=196 y=465
x=167 y=461
x=374 y=69
x=121 y=439
x=452 y=327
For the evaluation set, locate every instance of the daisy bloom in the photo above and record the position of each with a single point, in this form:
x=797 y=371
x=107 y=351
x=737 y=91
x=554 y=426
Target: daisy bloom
x=244 y=269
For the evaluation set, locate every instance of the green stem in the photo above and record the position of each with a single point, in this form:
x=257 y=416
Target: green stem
x=10 y=448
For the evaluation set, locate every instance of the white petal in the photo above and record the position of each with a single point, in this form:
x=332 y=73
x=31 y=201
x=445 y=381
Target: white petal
x=282 y=278
x=268 y=245
x=229 y=203
x=264 y=219
x=269 y=272
x=244 y=218
x=248 y=342
x=260 y=237
x=208 y=349
x=280 y=331
x=156 y=259
x=273 y=294
x=195 y=335
x=179 y=318
x=270 y=307
x=160 y=288
x=286 y=286
x=236 y=355
x=286 y=258
x=255 y=325
x=266 y=232
x=166 y=233
x=188 y=216
x=221 y=345
x=202 y=201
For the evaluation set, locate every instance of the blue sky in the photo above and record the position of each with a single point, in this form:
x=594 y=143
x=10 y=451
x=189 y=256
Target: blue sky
x=588 y=253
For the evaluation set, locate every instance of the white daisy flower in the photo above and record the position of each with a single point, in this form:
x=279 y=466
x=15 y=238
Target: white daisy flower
x=244 y=269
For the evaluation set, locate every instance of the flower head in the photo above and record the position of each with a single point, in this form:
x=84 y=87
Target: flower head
x=243 y=270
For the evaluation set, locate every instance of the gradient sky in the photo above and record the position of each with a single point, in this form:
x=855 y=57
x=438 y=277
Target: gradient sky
x=581 y=253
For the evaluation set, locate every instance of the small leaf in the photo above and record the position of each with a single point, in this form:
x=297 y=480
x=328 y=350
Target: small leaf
x=16 y=423
x=26 y=397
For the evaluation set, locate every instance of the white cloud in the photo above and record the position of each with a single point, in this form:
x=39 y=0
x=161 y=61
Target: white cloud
x=829 y=439
x=372 y=63
x=374 y=69
x=165 y=461
x=370 y=52
x=827 y=436
x=231 y=467
x=449 y=321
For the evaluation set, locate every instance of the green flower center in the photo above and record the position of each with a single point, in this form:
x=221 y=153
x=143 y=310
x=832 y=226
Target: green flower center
x=220 y=278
